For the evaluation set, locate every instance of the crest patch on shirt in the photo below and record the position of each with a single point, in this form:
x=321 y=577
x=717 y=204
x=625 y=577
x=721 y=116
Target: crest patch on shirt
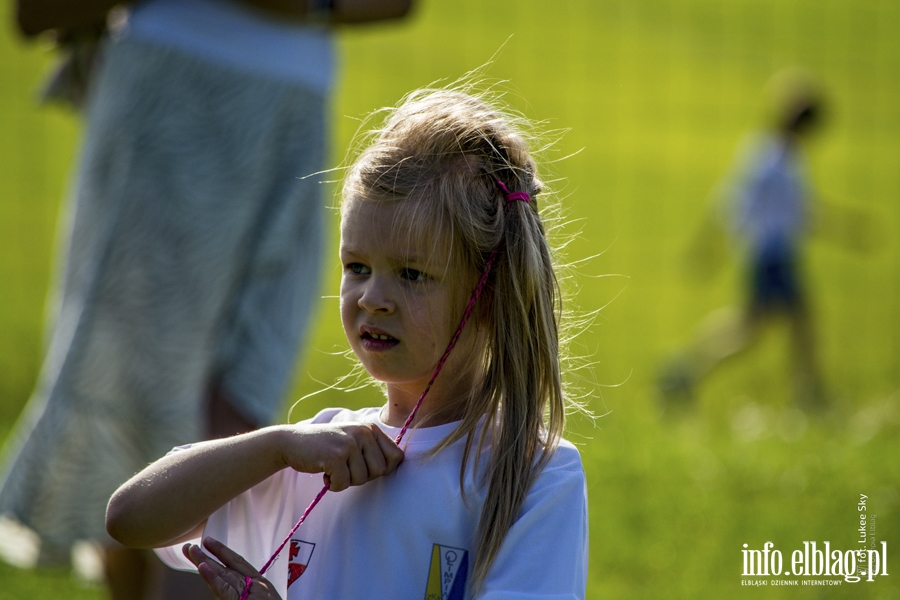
x=298 y=559
x=448 y=573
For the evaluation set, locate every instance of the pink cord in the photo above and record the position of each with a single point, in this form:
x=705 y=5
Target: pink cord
x=511 y=197
x=479 y=287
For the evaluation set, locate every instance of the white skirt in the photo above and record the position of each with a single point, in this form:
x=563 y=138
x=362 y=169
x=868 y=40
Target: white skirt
x=193 y=257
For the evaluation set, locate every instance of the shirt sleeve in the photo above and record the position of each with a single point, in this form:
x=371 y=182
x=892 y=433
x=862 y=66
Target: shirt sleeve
x=252 y=524
x=545 y=553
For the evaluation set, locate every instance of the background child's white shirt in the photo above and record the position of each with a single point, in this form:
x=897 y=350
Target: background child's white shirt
x=409 y=535
x=770 y=194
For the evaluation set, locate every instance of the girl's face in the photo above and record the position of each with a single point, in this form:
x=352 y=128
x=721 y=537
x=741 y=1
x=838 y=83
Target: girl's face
x=399 y=306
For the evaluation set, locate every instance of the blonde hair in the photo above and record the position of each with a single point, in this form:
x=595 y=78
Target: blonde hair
x=441 y=153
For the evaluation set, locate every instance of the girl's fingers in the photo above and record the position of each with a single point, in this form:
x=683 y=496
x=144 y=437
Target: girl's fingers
x=222 y=589
x=230 y=558
x=392 y=453
x=225 y=583
x=348 y=455
x=227 y=580
x=375 y=461
x=196 y=555
x=356 y=465
x=339 y=478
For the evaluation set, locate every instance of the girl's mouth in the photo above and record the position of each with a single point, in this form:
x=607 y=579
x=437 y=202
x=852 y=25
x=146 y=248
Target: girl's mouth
x=375 y=342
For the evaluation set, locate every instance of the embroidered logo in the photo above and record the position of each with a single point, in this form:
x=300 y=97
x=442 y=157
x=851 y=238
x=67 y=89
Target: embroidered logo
x=448 y=573
x=298 y=558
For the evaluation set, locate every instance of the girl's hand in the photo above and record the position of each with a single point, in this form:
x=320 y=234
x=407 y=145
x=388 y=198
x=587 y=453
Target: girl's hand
x=227 y=580
x=348 y=454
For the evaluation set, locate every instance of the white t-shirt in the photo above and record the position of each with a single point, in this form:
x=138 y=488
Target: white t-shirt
x=409 y=535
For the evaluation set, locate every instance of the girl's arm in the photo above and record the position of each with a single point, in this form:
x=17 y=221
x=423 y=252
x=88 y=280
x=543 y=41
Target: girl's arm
x=177 y=493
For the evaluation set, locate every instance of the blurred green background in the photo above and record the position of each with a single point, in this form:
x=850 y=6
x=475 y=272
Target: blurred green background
x=656 y=96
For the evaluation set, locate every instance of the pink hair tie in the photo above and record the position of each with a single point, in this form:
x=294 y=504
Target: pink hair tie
x=512 y=197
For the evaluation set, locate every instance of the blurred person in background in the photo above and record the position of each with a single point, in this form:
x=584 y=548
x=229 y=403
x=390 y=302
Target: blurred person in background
x=766 y=206
x=191 y=263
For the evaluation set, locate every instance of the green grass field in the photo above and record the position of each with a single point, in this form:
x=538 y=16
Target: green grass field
x=655 y=95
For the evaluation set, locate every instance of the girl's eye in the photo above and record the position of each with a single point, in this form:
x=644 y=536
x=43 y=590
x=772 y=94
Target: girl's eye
x=414 y=275
x=357 y=268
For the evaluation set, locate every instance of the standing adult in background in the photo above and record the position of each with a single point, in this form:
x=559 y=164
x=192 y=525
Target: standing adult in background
x=192 y=260
x=767 y=208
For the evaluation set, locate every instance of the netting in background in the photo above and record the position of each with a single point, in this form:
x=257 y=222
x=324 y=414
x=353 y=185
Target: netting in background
x=656 y=96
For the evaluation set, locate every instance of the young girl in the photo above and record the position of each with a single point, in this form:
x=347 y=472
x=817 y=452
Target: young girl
x=443 y=249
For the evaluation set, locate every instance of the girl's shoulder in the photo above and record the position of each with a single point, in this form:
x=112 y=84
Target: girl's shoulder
x=561 y=486
x=345 y=415
x=565 y=460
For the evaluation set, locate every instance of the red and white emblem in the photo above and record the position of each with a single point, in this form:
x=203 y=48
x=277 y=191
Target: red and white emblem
x=298 y=559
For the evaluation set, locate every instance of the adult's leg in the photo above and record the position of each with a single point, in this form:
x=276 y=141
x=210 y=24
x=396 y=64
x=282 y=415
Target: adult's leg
x=170 y=584
x=223 y=418
x=272 y=298
x=128 y=573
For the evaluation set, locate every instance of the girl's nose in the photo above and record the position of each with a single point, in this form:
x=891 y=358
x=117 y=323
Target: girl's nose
x=376 y=298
